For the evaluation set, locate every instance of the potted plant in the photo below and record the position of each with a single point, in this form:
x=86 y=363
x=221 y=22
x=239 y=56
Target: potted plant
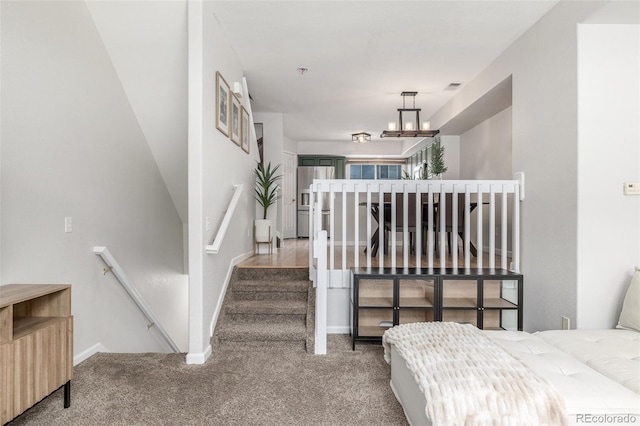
x=266 y=194
x=437 y=166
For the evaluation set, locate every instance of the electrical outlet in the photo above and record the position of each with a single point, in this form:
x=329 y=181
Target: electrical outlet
x=566 y=323
x=68 y=225
x=207 y=222
x=632 y=188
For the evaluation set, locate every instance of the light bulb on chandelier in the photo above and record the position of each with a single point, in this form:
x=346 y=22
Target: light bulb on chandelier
x=407 y=128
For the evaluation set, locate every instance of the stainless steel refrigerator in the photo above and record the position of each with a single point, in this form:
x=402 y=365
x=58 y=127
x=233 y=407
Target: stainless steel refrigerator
x=306 y=175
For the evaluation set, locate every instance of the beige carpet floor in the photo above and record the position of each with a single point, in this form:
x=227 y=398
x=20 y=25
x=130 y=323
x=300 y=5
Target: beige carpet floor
x=253 y=387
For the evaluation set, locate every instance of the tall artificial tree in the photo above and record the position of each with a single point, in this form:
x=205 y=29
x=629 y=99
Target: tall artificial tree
x=437 y=166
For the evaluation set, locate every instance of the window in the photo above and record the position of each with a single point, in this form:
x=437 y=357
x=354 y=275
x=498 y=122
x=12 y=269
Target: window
x=375 y=171
x=416 y=163
x=386 y=171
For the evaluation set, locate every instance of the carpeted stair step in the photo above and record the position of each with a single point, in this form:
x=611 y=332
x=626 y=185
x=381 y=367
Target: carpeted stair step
x=272 y=274
x=259 y=318
x=270 y=290
x=266 y=307
x=272 y=331
x=296 y=345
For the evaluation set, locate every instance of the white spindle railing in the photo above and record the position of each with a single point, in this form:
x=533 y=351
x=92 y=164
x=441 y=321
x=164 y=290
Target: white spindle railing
x=320 y=244
x=367 y=194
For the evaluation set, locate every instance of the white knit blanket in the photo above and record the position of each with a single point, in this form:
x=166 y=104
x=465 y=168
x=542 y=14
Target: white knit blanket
x=468 y=379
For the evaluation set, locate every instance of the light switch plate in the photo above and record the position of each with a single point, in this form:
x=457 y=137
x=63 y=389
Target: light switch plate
x=68 y=225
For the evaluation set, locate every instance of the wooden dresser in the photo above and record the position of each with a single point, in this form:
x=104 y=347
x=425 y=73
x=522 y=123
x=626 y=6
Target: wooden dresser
x=36 y=345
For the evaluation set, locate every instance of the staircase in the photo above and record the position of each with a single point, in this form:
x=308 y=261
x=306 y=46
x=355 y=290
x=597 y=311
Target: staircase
x=267 y=308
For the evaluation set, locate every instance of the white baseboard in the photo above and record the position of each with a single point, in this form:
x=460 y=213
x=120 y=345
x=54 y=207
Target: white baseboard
x=192 y=358
x=199 y=358
x=98 y=347
x=227 y=278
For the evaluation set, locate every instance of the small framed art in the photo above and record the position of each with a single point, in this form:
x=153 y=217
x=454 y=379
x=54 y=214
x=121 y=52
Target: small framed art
x=244 y=130
x=222 y=104
x=235 y=120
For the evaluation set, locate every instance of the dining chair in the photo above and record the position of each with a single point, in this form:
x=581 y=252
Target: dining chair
x=411 y=220
x=448 y=226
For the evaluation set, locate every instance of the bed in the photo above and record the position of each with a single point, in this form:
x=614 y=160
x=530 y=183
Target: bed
x=573 y=376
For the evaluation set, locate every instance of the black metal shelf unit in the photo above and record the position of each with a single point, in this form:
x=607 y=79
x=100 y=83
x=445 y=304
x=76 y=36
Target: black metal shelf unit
x=382 y=298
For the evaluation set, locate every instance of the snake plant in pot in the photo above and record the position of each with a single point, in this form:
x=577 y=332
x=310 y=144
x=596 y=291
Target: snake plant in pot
x=266 y=194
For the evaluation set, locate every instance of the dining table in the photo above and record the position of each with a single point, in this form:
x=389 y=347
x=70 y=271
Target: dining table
x=375 y=213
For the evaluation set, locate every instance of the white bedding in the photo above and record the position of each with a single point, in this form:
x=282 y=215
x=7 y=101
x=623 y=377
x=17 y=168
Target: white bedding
x=584 y=389
x=587 y=393
x=614 y=353
x=469 y=379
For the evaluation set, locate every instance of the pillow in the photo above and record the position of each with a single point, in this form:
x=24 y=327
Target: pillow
x=630 y=315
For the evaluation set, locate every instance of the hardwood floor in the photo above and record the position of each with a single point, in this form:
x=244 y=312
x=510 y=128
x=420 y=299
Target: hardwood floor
x=294 y=253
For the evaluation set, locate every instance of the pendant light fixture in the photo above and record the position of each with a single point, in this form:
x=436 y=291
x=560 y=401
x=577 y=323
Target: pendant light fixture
x=406 y=127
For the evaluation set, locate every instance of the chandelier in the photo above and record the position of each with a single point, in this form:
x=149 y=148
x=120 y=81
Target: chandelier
x=361 y=137
x=406 y=128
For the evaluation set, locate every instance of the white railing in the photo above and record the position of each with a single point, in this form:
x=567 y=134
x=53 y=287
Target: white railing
x=321 y=295
x=492 y=207
x=114 y=267
x=214 y=247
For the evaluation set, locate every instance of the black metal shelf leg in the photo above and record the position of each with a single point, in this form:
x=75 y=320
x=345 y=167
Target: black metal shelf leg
x=67 y=394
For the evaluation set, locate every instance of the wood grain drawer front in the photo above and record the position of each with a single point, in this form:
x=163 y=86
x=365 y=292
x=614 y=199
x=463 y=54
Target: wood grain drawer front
x=42 y=363
x=6 y=383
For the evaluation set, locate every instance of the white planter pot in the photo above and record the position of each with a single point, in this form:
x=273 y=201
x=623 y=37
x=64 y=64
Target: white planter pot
x=262 y=234
x=263 y=230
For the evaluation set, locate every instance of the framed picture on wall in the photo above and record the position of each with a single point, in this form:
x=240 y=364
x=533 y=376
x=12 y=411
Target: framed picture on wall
x=244 y=130
x=222 y=104
x=259 y=137
x=235 y=120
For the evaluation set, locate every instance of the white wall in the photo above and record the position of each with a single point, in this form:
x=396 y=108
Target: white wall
x=72 y=147
x=159 y=100
x=608 y=155
x=290 y=145
x=485 y=150
x=485 y=153
x=451 y=144
x=215 y=165
x=338 y=309
x=273 y=145
x=543 y=63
